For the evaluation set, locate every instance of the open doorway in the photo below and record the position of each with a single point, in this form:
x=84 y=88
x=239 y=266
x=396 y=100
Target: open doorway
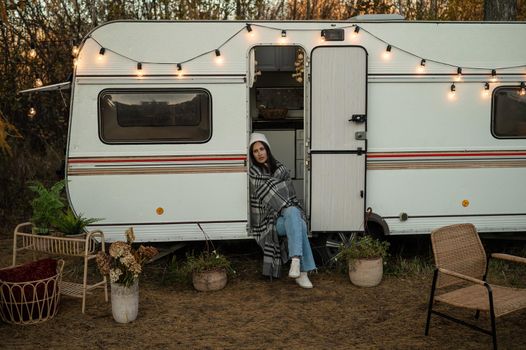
x=276 y=105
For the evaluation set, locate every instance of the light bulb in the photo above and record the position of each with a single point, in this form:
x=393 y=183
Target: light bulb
x=32 y=112
x=32 y=53
x=38 y=82
x=75 y=51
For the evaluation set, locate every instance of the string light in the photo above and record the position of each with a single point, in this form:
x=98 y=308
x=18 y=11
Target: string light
x=75 y=51
x=493 y=75
x=355 y=33
x=322 y=35
x=32 y=112
x=140 y=73
x=485 y=90
x=250 y=32
x=38 y=82
x=283 y=38
x=452 y=91
x=459 y=74
x=32 y=51
x=179 y=70
x=102 y=51
x=387 y=53
x=422 y=67
x=219 y=58
x=522 y=90
x=75 y=62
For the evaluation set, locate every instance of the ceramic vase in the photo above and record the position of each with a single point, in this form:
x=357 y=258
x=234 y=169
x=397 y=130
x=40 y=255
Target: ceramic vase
x=125 y=302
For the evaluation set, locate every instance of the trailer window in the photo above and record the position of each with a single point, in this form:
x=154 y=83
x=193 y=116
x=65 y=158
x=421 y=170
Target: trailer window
x=509 y=112
x=159 y=116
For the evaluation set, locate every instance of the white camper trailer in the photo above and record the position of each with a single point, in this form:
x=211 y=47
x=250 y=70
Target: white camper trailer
x=422 y=122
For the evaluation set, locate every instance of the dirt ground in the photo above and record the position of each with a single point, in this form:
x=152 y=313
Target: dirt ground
x=254 y=313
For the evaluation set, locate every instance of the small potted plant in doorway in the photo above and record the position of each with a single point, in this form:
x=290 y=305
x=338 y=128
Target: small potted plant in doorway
x=365 y=257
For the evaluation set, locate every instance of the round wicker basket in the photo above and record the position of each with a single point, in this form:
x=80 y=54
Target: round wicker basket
x=30 y=302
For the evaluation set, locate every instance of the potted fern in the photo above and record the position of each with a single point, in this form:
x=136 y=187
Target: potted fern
x=68 y=224
x=364 y=257
x=47 y=206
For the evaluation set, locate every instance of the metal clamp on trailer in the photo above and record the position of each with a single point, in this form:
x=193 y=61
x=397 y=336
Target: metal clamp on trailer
x=86 y=247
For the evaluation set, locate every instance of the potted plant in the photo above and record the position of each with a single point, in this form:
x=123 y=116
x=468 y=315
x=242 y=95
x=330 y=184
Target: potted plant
x=47 y=206
x=365 y=257
x=209 y=270
x=72 y=226
x=123 y=265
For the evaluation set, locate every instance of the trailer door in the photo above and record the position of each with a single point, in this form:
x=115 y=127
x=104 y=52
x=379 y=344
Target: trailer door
x=337 y=138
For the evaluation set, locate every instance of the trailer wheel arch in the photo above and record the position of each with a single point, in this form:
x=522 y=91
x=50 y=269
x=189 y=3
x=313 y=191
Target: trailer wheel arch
x=376 y=225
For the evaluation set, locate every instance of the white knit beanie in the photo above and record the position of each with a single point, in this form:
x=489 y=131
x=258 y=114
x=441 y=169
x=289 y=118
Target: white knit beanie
x=255 y=137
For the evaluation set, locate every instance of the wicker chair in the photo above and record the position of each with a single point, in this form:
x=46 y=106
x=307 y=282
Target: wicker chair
x=461 y=266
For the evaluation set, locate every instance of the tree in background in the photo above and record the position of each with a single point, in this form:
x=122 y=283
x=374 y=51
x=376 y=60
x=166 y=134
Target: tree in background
x=500 y=10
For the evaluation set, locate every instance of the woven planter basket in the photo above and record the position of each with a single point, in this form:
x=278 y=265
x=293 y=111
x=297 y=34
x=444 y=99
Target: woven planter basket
x=209 y=280
x=30 y=302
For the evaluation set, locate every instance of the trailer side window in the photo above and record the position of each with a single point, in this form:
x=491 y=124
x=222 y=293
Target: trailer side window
x=155 y=116
x=509 y=112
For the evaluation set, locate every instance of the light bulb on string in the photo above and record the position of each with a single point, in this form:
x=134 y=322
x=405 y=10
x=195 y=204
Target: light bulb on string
x=32 y=54
x=485 y=90
x=452 y=91
x=493 y=76
x=459 y=74
x=387 y=52
x=38 y=82
x=522 y=90
x=75 y=62
x=422 y=66
x=250 y=31
x=32 y=112
x=219 y=58
x=356 y=33
x=179 y=70
x=139 y=70
x=283 y=37
x=102 y=51
x=75 y=51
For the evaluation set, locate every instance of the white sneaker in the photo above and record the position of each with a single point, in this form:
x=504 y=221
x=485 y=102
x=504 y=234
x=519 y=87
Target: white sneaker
x=303 y=281
x=294 y=271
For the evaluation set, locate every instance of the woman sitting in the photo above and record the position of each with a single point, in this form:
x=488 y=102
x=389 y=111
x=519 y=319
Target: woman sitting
x=275 y=211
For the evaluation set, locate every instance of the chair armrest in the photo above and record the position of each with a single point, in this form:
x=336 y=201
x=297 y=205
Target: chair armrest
x=508 y=257
x=461 y=276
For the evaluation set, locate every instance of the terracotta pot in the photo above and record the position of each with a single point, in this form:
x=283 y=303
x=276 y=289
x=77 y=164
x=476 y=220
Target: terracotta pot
x=209 y=280
x=366 y=272
x=125 y=302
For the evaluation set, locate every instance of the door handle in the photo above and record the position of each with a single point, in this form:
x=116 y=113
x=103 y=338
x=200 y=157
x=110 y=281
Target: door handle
x=358 y=118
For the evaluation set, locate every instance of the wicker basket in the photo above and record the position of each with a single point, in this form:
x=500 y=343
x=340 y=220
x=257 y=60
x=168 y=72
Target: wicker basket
x=273 y=113
x=30 y=302
x=209 y=280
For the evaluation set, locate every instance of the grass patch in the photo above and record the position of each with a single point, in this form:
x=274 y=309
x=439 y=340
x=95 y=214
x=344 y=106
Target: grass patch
x=399 y=266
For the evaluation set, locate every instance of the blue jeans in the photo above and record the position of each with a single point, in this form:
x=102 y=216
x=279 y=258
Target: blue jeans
x=291 y=224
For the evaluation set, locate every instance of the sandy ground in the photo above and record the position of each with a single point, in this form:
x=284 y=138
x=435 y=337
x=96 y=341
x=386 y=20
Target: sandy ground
x=254 y=313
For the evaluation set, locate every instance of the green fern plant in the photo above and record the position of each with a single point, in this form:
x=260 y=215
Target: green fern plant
x=47 y=205
x=69 y=224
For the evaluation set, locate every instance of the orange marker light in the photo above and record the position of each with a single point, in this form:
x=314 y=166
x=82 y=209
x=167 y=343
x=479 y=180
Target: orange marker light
x=159 y=211
x=465 y=203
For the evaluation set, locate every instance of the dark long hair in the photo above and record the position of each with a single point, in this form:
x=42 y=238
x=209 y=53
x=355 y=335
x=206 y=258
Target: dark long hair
x=273 y=165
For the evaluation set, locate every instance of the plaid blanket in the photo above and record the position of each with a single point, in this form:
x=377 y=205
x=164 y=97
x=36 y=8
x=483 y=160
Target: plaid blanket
x=269 y=193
